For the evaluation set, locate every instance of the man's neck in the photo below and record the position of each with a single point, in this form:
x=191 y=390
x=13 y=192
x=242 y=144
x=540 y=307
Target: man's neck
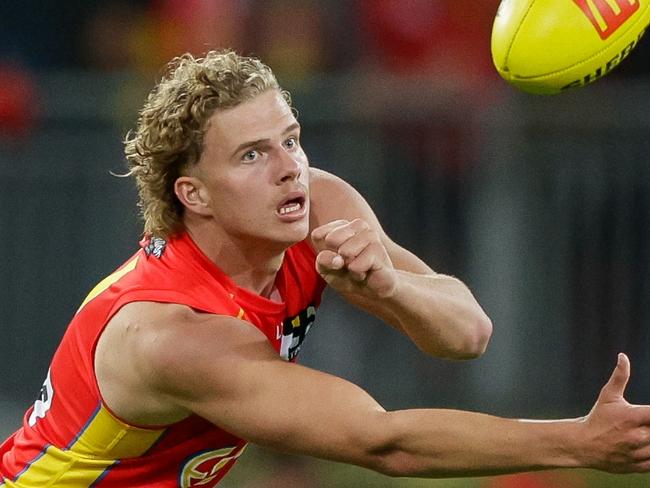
x=250 y=264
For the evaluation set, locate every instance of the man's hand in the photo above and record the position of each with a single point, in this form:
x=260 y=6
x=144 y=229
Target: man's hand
x=618 y=433
x=352 y=259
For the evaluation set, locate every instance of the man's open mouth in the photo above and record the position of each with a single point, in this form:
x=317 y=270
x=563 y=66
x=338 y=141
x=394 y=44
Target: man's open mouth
x=292 y=205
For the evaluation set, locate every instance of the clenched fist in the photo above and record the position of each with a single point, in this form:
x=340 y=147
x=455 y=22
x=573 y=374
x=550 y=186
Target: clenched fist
x=352 y=259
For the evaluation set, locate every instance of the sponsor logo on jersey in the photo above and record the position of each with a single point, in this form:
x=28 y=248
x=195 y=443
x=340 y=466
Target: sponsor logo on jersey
x=294 y=331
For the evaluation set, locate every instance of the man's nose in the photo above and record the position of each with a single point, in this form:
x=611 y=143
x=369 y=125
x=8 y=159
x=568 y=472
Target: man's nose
x=290 y=167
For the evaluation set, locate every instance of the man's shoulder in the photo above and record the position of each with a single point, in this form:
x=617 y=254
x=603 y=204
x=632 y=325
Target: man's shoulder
x=167 y=338
x=145 y=312
x=156 y=335
x=328 y=195
x=333 y=198
x=324 y=179
x=158 y=318
x=150 y=349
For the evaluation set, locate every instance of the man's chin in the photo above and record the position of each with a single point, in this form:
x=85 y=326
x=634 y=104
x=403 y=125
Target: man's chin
x=281 y=241
x=298 y=236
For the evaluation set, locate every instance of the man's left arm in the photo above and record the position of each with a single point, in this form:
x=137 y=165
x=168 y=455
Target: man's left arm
x=357 y=258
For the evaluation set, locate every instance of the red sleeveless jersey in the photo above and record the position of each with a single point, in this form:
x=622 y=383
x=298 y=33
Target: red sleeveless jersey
x=70 y=439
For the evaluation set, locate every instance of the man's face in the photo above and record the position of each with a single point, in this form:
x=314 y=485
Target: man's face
x=255 y=172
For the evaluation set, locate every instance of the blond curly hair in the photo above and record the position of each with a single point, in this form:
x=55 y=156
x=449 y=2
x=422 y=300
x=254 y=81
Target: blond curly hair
x=168 y=138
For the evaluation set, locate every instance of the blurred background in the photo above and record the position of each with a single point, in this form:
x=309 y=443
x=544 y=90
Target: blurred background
x=540 y=204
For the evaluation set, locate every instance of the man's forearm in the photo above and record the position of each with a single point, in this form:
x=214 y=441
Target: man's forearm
x=451 y=443
x=437 y=312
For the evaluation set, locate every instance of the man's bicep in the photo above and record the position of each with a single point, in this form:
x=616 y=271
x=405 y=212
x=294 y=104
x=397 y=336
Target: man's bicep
x=332 y=199
x=233 y=378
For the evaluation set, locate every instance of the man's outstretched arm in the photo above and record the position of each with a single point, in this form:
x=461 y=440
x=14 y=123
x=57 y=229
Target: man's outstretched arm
x=357 y=258
x=226 y=372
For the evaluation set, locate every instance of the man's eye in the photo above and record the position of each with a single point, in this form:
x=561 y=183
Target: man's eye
x=249 y=156
x=291 y=143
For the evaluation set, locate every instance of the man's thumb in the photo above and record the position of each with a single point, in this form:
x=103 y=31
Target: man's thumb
x=615 y=386
x=328 y=261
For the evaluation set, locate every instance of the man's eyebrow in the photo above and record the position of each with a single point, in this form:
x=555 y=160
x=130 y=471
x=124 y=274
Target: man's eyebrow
x=291 y=128
x=257 y=142
x=246 y=145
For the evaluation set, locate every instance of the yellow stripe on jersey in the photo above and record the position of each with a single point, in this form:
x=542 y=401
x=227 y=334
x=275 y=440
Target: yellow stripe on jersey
x=109 y=437
x=101 y=443
x=109 y=280
x=50 y=466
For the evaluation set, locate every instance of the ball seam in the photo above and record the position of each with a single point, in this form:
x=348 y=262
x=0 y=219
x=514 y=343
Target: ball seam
x=516 y=33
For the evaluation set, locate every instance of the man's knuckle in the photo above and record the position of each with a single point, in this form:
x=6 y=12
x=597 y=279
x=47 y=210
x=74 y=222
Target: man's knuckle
x=355 y=266
x=639 y=437
x=360 y=224
x=331 y=240
x=359 y=266
x=372 y=235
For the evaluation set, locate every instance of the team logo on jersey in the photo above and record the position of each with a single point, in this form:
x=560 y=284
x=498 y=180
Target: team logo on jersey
x=154 y=246
x=294 y=331
x=203 y=469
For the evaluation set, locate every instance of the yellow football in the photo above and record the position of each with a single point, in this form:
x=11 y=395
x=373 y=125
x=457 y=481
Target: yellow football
x=549 y=46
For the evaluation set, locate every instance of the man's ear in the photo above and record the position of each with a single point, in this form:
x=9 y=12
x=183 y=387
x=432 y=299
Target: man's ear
x=192 y=194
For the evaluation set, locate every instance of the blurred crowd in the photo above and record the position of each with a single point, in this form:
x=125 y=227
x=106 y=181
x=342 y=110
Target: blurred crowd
x=300 y=39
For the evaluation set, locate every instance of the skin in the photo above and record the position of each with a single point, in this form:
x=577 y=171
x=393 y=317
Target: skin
x=151 y=372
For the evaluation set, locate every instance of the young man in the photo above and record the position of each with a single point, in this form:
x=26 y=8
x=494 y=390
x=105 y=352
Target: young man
x=186 y=352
